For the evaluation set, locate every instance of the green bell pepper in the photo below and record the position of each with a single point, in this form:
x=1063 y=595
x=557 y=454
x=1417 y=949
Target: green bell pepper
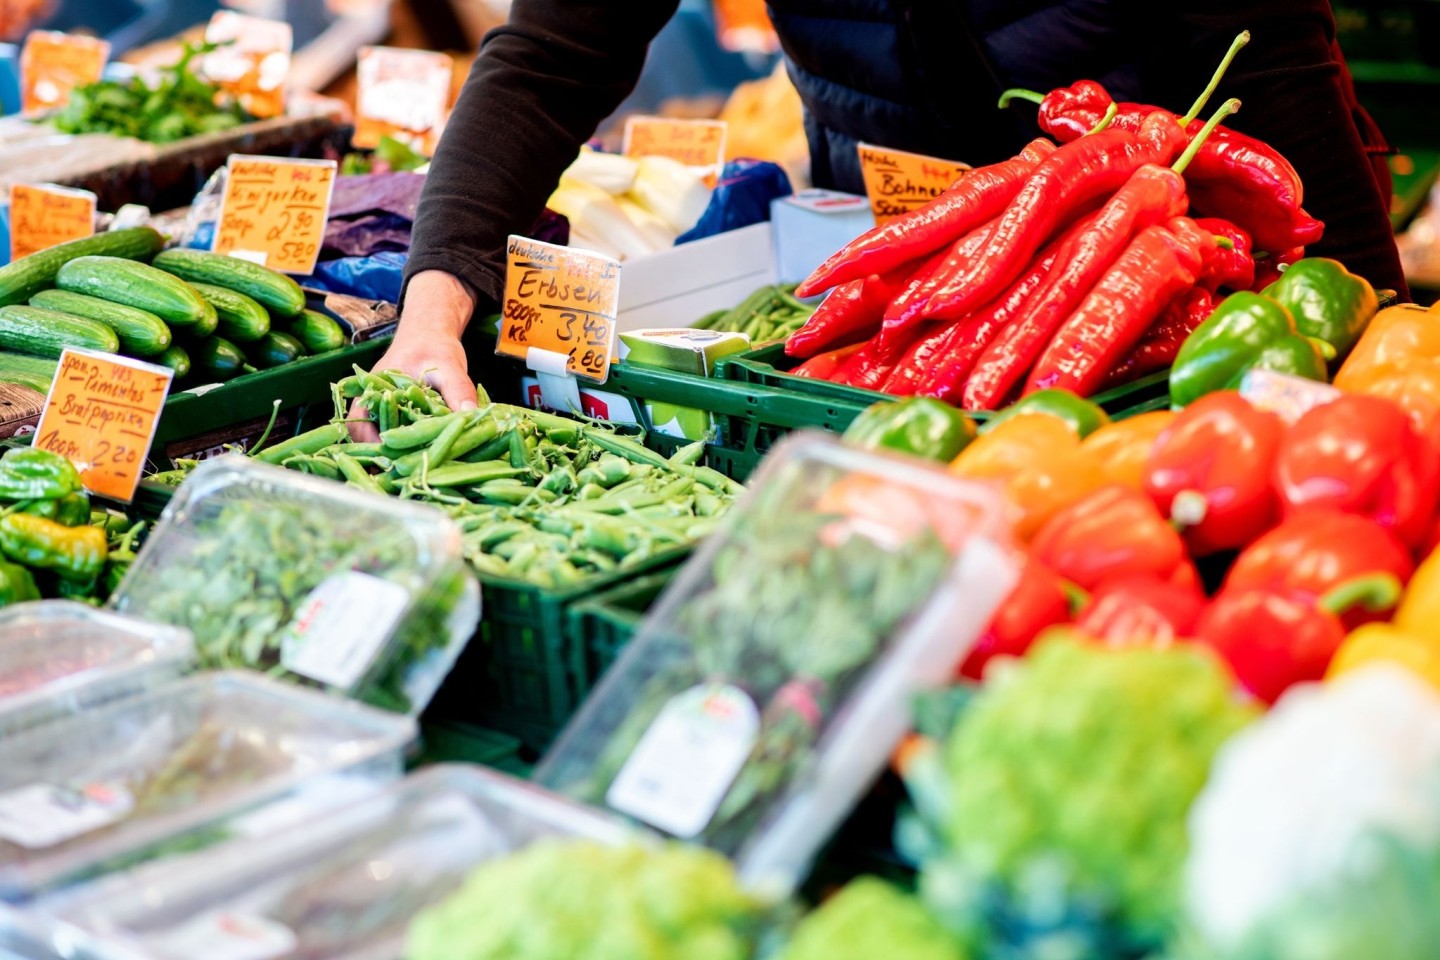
x=75 y=553
x=1246 y=332
x=29 y=473
x=1083 y=415
x=71 y=510
x=1327 y=301
x=17 y=585
x=919 y=426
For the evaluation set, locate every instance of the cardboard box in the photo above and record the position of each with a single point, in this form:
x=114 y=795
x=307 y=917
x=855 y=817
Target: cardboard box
x=679 y=286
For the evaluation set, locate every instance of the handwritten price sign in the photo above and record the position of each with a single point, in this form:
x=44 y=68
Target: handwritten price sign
x=560 y=300
x=253 y=62
x=898 y=182
x=42 y=216
x=696 y=143
x=274 y=211
x=402 y=94
x=101 y=416
x=52 y=64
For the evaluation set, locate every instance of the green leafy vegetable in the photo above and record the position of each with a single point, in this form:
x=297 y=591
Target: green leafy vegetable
x=868 y=920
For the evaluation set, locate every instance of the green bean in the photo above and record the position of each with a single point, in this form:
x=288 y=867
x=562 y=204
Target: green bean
x=708 y=321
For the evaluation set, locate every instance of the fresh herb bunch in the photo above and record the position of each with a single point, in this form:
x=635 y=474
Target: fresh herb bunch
x=180 y=105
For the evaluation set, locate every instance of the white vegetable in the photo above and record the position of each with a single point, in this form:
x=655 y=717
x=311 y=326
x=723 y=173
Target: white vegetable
x=1292 y=800
x=594 y=215
x=657 y=231
x=609 y=171
x=671 y=191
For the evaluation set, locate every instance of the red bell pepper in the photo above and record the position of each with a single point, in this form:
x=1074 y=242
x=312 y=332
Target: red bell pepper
x=1037 y=601
x=1210 y=472
x=1269 y=268
x=1316 y=552
x=1141 y=611
x=1362 y=454
x=1230 y=264
x=1114 y=532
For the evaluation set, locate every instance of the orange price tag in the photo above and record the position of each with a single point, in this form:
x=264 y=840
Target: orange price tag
x=897 y=181
x=560 y=304
x=274 y=211
x=253 y=62
x=402 y=94
x=696 y=143
x=52 y=64
x=43 y=215
x=101 y=415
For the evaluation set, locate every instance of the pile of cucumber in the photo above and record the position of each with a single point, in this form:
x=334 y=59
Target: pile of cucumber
x=208 y=317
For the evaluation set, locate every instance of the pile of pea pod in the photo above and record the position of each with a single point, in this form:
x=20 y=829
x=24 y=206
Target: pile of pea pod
x=770 y=313
x=540 y=498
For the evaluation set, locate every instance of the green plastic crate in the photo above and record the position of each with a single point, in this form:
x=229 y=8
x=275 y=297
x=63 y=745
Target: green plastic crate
x=444 y=741
x=607 y=621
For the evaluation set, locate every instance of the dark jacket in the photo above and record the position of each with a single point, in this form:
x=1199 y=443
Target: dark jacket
x=920 y=75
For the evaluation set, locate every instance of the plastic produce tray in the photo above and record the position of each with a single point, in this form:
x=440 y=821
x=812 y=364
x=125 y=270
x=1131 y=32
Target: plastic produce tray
x=59 y=657
x=108 y=767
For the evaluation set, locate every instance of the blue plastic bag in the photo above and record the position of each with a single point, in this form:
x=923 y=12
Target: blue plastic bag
x=376 y=277
x=741 y=198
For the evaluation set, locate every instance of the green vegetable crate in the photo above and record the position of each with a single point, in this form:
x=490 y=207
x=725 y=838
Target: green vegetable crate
x=766 y=366
x=607 y=620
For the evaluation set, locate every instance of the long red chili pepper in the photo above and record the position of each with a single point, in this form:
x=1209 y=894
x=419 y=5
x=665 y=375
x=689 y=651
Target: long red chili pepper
x=1062 y=186
x=891 y=343
x=965 y=248
x=1160 y=345
x=822 y=366
x=1160 y=263
x=852 y=310
x=975 y=198
x=945 y=380
x=922 y=356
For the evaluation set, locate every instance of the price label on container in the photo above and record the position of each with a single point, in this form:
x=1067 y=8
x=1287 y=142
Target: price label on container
x=699 y=144
x=274 y=211
x=101 y=415
x=403 y=94
x=52 y=64
x=897 y=182
x=42 y=215
x=253 y=60
x=560 y=302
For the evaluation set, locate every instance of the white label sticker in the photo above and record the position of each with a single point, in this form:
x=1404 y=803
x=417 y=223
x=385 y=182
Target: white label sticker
x=685 y=763
x=223 y=935
x=1282 y=394
x=42 y=815
x=253 y=256
x=341 y=626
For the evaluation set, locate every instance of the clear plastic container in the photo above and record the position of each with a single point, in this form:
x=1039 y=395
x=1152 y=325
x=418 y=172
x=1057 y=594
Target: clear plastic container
x=171 y=769
x=312 y=580
x=773 y=679
x=58 y=657
x=344 y=887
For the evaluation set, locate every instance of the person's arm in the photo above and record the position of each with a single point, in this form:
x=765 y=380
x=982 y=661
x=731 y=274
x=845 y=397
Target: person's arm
x=1293 y=98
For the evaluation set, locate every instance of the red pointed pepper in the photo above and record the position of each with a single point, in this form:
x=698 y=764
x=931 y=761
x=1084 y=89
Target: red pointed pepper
x=852 y=311
x=968 y=247
x=1141 y=611
x=1230 y=264
x=1037 y=601
x=1158 y=265
x=1210 y=472
x=1114 y=532
x=975 y=198
x=1269 y=268
x=1362 y=454
x=1161 y=344
x=824 y=365
x=924 y=354
x=1061 y=188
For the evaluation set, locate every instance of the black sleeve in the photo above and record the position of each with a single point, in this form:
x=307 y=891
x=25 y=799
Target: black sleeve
x=540 y=86
x=1293 y=97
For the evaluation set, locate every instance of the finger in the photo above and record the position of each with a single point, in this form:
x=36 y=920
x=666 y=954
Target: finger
x=454 y=385
x=361 y=429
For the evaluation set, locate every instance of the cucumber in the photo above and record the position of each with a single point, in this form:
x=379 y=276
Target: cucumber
x=176 y=359
x=141 y=333
x=274 y=290
x=46 y=333
x=134 y=285
x=216 y=359
x=275 y=349
x=35 y=381
x=207 y=325
x=241 y=319
x=37 y=373
x=21 y=280
x=319 y=333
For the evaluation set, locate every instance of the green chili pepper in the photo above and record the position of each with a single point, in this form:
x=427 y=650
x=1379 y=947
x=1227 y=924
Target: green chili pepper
x=919 y=426
x=75 y=553
x=1328 y=302
x=1245 y=332
x=29 y=473
x=17 y=585
x=72 y=510
x=1082 y=415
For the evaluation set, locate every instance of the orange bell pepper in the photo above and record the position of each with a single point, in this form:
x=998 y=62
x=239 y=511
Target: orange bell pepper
x=1398 y=358
x=1039 y=460
x=1121 y=448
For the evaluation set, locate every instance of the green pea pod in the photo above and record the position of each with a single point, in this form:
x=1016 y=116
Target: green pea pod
x=1328 y=302
x=1085 y=417
x=29 y=473
x=1246 y=332
x=17 y=585
x=75 y=553
x=918 y=426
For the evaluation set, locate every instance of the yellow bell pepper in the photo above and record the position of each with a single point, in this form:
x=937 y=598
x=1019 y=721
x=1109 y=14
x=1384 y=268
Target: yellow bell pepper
x=1121 y=448
x=1039 y=460
x=1412 y=639
x=1398 y=358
